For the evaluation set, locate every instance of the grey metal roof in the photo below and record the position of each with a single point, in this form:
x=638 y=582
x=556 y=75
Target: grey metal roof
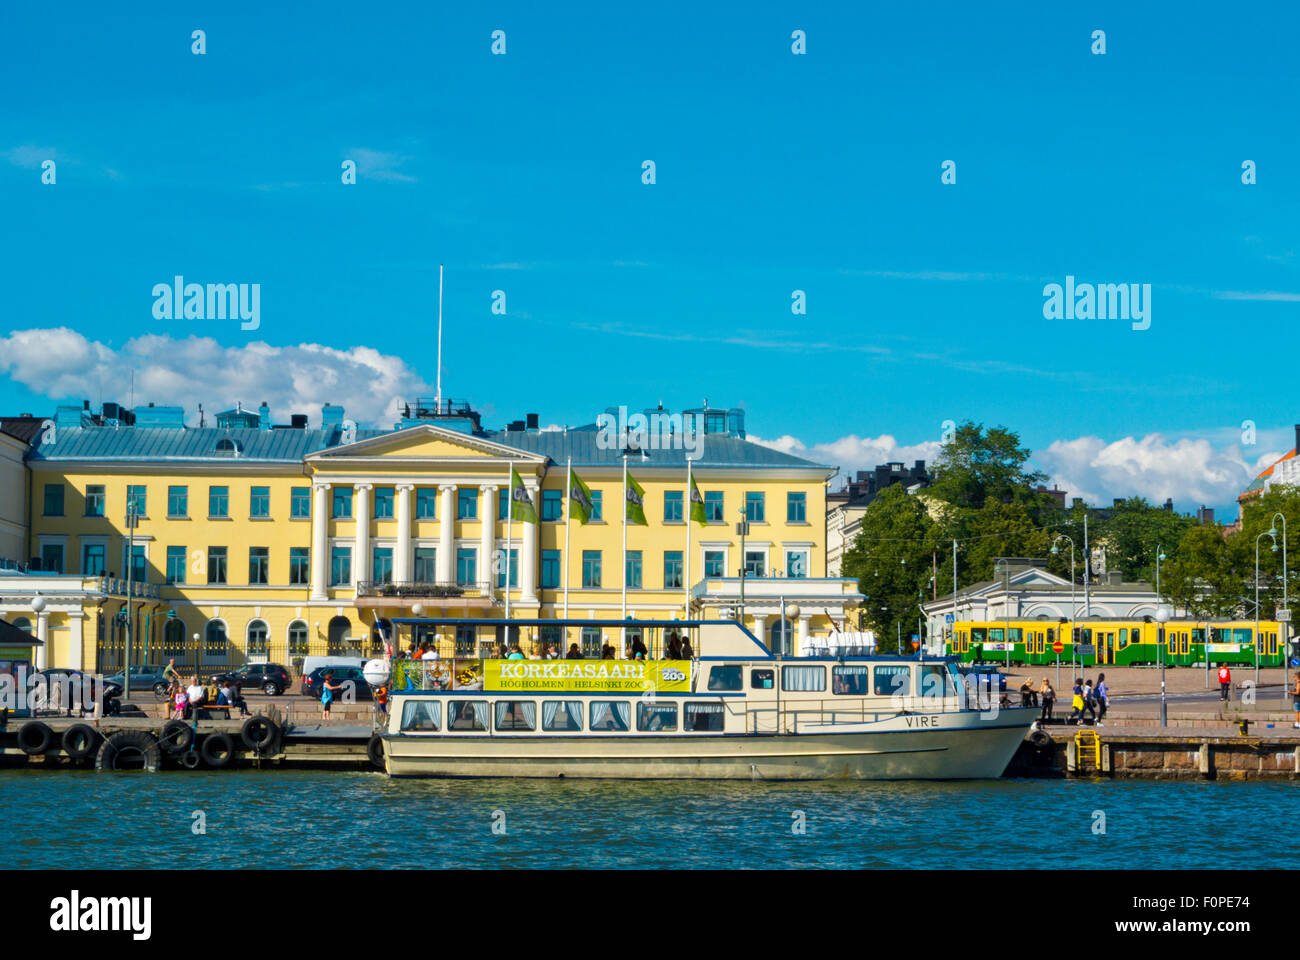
x=716 y=451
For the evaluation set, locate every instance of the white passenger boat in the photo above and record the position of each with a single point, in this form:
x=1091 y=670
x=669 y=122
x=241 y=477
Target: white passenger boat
x=734 y=712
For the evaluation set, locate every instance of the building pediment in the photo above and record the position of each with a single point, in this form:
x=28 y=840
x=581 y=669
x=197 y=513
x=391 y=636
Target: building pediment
x=424 y=443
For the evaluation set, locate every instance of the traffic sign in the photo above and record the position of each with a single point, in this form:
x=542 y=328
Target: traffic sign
x=1283 y=615
x=947 y=618
x=1087 y=649
x=1058 y=646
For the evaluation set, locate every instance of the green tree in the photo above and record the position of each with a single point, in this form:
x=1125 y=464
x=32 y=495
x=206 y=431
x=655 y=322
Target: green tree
x=1199 y=574
x=978 y=464
x=1131 y=534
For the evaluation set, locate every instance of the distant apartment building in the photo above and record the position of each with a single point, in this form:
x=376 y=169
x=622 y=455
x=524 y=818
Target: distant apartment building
x=845 y=509
x=1285 y=470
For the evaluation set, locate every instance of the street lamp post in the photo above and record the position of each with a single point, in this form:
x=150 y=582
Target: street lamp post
x=1074 y=606
x=1273 y=534
x=1163 y=613
x=132 y=519
x=1284 y=630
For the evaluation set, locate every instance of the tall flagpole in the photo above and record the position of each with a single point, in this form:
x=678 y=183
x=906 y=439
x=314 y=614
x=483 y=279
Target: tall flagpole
x=439 y=400
x=568 y=508
x=623 y=632
x=686 y=579
x=510 y=514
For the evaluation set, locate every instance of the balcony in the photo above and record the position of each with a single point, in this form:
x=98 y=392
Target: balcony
x=402 y=593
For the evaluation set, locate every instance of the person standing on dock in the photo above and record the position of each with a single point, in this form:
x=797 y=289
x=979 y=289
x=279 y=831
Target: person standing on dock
x=1225 y=683
x=1047 y=696
x=1295 y=699
x=1102 y=693
x=328 y=686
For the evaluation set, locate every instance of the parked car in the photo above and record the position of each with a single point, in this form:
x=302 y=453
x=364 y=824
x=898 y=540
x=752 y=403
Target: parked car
x=311 y=664
x=145 y=676
x=271 y=678
x=314 y=683
x=986 y=674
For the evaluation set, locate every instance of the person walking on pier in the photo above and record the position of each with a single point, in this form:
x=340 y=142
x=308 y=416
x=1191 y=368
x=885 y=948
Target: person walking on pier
x=1295 y=699
x=1102 y=693
x=1076 y=704
x=328 y=686
x=1047 y=696
x=1225 y=683
x=1089 y=701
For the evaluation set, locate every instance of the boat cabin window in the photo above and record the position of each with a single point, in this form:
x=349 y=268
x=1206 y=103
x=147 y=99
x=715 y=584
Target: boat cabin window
x=704 y=717
x=726 y=677
x=849 y=680
x=516 y=715
x=421 y=715
x=561 y=714
x=762 y=679
x=656 y=717
x=796 y=679
x=893 y=679
x=467 y=715
x=936 y=682
x=610 y=716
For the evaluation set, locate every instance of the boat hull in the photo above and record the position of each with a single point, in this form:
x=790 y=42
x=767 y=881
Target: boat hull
x=957 y=747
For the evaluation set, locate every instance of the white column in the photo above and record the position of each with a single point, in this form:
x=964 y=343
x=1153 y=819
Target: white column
x=320 y=561
x=361 y=552
x=402 y=553
x=76 y=642
x=486 y=543
x=43 y=635
x=758 y=626
x=802 y=636
x=447 y=521
x=528 y=552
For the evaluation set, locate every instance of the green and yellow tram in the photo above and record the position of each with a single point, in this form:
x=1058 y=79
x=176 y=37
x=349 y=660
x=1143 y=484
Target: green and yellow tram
x=1118 y=642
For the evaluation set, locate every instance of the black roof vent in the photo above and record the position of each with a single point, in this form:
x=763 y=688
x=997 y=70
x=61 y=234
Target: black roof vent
x=298 y=421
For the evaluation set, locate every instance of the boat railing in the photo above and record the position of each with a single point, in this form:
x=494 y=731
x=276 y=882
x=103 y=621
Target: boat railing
x=786 y=717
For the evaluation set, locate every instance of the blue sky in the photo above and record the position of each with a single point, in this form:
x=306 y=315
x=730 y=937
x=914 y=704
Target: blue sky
x=775 y=172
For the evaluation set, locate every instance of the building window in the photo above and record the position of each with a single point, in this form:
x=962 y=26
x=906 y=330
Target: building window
x=426 y=503
x=175 y=564
x=591 y=568
x=257 y=637
x=381 y=566
x=214 y=640
x=513 y=563
x=796 y=564
x=550 y=569
x=178 y=502
x=755 y=507
x=342 y=503
x=632 y=569
x=173 y=642
x=383 y=503
x=298 y=639
x=52 y=557
x=780 y=638
x=95 y=500
x=299 y=565
x=54 y=500
x=466 y=503
x=216 y=564
x=552 y=504
x=715 y=563
x=796 y=507
x=592 y=644
x=597 y=509
x=672 y=569
x=715 y=423
x=259 y=502
x=755 y=563
x=259 y=560
x=672 y=506
x=138 y=564
x=136 y=494
x=466 y=566
x=426 y=565
x=92 y=560
x=300 y=503
x=713 y=506
x=340 y=566
x=218 y=501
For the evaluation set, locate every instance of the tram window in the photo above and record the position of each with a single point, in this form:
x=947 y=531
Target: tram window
x=1123 y=637
x=1241 y=635
x=995 y=634
x=516 y=715
x=893 y=679
x=613 y=716
x=704 y=717
x=762 y=679
x=849 y=680
x=1015 y=634
x=797 y=679
x=561 y=714
x=726 y=677
x=977 y=634
x=467 y=715
x=656 y=717
x=1051 y=637
x=421 y=715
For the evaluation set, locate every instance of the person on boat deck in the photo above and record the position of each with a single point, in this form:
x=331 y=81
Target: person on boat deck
x=515 y=653
x=639 y=651
x=1048 y=697
x=552 y=652
x=574 y=652
x=429 y=652
x=499 y=652
x=687 y=652
x=607 y=652
x=673 y=649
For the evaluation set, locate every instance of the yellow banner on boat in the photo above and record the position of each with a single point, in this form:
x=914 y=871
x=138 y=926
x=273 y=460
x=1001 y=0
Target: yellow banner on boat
x=586 y=676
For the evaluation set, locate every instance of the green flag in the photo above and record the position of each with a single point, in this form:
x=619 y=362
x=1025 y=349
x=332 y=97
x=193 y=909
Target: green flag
x=697 y=505
x=635 y=508
x=521 y=505
x=580 y=506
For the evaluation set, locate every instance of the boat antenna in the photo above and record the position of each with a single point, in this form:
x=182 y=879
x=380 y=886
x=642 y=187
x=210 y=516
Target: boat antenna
x=438 y=399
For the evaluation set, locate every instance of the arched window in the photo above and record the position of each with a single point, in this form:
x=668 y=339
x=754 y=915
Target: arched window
x=337 y=638
x=23 y=624
x=174 y=640
x=230 y=447
x=780 y=638
x=257 y=639
x=214 y=639
x=298 y=639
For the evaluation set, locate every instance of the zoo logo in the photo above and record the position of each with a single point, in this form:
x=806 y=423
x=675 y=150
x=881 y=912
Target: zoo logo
x=672 y=673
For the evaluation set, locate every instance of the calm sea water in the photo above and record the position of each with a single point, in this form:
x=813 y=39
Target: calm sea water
x=76 y=819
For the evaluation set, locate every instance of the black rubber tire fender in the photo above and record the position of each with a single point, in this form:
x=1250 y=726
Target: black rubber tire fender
x=375 y=750
x=177 y=736
x=124 y=741
x=34 y=738
x=217 y=749
x=260 y=733
x=80 y=741
x=1040 y=739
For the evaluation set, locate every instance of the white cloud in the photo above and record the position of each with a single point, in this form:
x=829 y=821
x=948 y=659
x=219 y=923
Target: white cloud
x=63 y=364
x=30 y=157
x=378 y=165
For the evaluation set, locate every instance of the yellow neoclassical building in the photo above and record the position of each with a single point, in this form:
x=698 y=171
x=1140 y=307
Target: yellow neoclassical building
x=257 y=541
